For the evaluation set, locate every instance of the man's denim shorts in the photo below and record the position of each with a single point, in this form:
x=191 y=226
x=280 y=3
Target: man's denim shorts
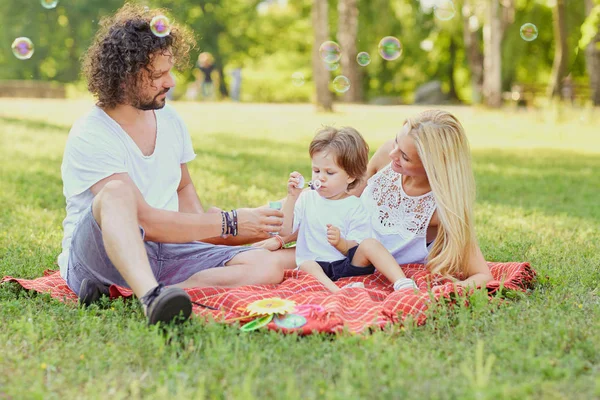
x=171 y=263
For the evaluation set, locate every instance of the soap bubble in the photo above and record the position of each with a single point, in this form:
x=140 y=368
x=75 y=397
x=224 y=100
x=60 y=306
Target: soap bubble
x=330 y=52
x=444 y=10
x=390 y=48
x=160 y=26
x=363 y=58
x=529 y=32
x=22 y=48
x=298 y=79
x=332 y=66
x=341 y=84
x=315 y=185
x=49 y=4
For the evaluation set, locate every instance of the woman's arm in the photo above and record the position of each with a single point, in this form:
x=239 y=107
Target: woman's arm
x=478 y=272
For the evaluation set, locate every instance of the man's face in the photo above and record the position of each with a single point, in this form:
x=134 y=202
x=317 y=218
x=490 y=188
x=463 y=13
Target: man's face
x=155 y=84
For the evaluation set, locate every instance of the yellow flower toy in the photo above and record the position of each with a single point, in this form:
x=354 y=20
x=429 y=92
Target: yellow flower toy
x=271 y=306
x=265 y=309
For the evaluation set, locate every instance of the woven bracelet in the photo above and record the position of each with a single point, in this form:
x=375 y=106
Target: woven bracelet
x=280 y=240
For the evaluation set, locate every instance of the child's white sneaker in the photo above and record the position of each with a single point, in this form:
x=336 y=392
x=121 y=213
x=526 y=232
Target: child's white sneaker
x=354 y=285
x=405 y=283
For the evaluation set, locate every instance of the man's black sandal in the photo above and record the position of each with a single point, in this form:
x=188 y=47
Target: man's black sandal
x=166 y=304
x=91 y=291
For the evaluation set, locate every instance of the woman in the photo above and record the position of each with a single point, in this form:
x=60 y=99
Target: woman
x=420 y=192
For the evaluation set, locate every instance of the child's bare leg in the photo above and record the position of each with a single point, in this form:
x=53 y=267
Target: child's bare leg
x=371 y=252
x=315 y=270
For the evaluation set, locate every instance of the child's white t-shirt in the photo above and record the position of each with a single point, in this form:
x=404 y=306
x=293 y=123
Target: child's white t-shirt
x=98 y=147
x=312 y=213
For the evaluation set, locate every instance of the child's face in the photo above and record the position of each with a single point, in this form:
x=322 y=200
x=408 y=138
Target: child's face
x=404 y=155
x=334 y=180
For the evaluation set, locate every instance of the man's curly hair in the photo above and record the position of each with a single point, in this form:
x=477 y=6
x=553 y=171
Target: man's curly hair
x=124 y=47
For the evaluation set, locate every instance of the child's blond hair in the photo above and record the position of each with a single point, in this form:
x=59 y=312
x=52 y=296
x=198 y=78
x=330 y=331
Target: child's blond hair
x=350 y=151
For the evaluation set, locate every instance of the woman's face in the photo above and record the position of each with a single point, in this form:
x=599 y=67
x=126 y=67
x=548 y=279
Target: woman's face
x=405 y=159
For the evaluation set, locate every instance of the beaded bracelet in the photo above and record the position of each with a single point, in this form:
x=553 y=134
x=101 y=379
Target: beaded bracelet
x=224 y=224
x=234 y=222
x=229 y=223
x=281 y=241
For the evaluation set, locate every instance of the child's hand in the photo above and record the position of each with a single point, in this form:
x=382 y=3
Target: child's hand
x=292 y=185
x=333 y=235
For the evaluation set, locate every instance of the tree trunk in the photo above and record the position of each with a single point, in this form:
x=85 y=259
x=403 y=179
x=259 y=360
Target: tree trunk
x=492 y=60
x=321 y=75
x=347 y=36
x=451 y=67
x=561 y=55
x=592 y=60
x=474 y=56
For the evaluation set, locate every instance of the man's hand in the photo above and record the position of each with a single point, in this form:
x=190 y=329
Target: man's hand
x=333 y=235
x=259 y=222
x=292 y=185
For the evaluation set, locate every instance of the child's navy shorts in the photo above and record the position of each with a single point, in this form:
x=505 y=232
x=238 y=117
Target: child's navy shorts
x=344 y=268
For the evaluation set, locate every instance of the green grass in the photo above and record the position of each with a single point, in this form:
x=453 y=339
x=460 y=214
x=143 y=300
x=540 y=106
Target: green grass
x=538 y=186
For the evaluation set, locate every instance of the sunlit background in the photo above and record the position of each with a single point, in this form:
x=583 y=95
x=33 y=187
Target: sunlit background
x=498 y=52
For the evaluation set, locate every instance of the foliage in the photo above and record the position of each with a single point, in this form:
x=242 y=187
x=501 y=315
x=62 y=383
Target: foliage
x=272 y=45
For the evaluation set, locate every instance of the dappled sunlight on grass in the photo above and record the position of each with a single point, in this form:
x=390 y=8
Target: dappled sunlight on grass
x=537 y=202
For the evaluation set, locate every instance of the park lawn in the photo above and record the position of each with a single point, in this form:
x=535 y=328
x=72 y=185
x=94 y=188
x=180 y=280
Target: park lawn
x=538 y=187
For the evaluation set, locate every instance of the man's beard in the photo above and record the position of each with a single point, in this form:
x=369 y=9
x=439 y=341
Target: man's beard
x=154 y=104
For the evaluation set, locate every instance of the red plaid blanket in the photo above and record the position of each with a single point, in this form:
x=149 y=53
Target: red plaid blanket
x=353 y=309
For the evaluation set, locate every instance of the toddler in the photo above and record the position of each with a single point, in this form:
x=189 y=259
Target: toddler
x=334 y=229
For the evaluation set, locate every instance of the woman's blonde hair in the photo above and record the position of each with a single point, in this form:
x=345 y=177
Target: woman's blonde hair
x=444 y=151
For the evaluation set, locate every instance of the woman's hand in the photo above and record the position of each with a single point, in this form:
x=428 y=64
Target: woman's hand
x=293 y=182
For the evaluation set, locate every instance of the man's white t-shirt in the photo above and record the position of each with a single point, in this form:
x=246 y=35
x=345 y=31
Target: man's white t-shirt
x=98 y=147
x=312 y=213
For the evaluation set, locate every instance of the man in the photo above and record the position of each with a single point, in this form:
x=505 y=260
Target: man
x=133 y=216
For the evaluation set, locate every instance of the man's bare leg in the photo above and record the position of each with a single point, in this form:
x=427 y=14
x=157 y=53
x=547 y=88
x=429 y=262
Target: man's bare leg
x=253 y=267
x=115 y=210
x=286 y=257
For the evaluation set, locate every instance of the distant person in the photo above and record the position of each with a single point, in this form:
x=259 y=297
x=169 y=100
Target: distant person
x=206 y=64
x=236 y=83
x=568 y=90
x=134 y=218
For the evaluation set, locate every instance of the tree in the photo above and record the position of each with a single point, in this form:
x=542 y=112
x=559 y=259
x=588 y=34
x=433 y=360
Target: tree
x=473 y=51
x=492 y=37
x=500 y=14
x=320 y=73
x=592 y=50
x=347 y=36
x=561 y=55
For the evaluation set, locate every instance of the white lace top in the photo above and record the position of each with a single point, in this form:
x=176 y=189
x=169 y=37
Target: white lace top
x=399 y=221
